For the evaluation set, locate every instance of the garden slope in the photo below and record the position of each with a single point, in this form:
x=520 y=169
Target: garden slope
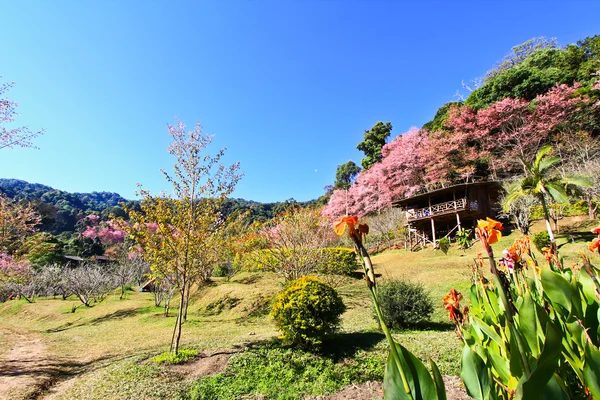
x=104 y=341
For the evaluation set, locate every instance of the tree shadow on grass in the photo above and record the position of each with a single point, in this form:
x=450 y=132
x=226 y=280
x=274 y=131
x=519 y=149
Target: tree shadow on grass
x=361 y=274
x=48 y=371
x=346 y=345
x=576 y=237
x=435 y=326
x=119 y=314
x=335 y=347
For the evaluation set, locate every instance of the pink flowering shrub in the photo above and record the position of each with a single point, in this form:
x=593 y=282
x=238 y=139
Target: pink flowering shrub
x=109 y=233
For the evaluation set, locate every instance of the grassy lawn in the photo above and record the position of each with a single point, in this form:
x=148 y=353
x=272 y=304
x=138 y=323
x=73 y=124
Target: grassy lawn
x=117 y=335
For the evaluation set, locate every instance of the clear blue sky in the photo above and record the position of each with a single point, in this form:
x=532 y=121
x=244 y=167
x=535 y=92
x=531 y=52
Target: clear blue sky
x=287 y=86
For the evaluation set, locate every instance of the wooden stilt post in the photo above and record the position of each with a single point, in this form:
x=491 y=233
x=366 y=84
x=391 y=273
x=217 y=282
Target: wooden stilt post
x=432 y=223
x=458 y=222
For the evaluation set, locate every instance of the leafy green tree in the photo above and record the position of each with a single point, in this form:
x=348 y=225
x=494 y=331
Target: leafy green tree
x=374 y=140
x=535 y=67
x=183 y=237
x=43 y=249
x=543 y=184
x=437 y=123
x=345 y=175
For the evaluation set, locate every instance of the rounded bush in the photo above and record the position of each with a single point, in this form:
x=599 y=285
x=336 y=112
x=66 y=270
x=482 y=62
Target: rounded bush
x=307 y=311
x=403 y=304
x=541 y=240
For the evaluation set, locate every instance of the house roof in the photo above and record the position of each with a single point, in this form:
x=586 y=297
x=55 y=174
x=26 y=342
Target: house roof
x=422 y=196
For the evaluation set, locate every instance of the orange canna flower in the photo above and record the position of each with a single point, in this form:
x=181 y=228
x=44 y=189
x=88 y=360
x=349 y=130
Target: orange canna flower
x=595 y=245
x=514 y=253
x=548 y=253
x=491 y=229
x=342 y=222
x=596 y=230
x=452 y=304
x=522 y=246
x=452 y=299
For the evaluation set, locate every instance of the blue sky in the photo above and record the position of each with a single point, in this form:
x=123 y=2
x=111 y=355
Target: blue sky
x=287 y=86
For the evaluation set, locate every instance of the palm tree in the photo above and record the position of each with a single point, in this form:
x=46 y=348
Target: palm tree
x=542 y=184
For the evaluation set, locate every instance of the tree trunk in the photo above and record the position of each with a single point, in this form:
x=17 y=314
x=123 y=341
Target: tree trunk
x=547 y=219
x=591 y=210
x=167 y=306
x=187 y=302
x=177 y=330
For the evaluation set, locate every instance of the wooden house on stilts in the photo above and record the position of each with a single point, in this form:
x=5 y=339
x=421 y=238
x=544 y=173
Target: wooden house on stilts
x=442 y=212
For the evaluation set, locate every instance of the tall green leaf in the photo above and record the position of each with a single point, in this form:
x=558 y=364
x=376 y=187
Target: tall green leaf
x=591 y=370
x=440 y=387
x=475 y=375
x=421 y=383
x=532 y=387
x=529 y=323
x=557 y=289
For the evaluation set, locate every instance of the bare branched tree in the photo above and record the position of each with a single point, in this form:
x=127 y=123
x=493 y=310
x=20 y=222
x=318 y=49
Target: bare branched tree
x=296 y=241
x=89 y=282
x=386 y=227
x=520 y=210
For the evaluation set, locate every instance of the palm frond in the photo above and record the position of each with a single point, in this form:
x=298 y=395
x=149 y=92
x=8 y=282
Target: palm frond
x=583 y=181
x=557 y=191
x=528 y=183
x=511 y=196
x=547 y=162
x=540 y=155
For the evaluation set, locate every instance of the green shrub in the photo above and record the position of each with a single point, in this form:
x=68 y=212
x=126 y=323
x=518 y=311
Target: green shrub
x=444 y=245
x=221 y=271
x=257 y=260
x=338 y=261
x=307 y=311
x=172 y=358
x=541 y=240
x=403 y=304
x=580 y=207
x=333 y=261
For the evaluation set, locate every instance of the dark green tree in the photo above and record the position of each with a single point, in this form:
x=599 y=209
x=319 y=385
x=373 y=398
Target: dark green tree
x=373 y=141
x=345 y=175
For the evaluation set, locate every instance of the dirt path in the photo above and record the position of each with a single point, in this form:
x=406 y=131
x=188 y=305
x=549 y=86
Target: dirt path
x=26 y=368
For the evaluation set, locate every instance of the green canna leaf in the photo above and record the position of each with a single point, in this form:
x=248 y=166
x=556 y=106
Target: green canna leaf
x=421 y=383
x=475 y=375
x=532 y=387
x=440 y=387
x=591 y=370
x=529 y=323
x=558 y=290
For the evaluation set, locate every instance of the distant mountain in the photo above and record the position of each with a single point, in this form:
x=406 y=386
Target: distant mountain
x=60 y=210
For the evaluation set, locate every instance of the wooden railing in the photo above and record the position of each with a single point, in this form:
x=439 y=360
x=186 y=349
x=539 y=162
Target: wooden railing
x=440 y=209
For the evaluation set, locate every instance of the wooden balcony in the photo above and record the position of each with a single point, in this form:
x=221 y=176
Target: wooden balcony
x=435 y=210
